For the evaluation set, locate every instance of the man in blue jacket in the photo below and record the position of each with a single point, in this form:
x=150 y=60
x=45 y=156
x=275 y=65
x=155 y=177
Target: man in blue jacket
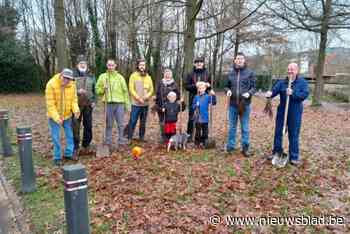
x=240 y=87
x=298 y=92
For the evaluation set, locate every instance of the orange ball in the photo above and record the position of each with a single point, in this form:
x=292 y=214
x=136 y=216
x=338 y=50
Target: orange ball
x=136 y=151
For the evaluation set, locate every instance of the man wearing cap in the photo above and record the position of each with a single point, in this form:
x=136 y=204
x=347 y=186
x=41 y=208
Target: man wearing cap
x=85 y=83
x=199 y=73
x=61 y=102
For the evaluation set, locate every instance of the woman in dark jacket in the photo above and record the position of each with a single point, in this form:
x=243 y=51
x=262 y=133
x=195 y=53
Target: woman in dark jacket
x=164 y=87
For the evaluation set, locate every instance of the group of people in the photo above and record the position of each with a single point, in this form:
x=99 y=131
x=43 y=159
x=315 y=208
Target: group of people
x=72 y=95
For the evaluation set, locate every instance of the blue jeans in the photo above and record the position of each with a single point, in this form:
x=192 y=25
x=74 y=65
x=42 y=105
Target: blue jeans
x=233 y=118
x=55 y=129
x=136 y=113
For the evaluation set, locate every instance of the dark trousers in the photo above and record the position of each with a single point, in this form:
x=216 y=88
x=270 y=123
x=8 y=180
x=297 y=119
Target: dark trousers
x=137 y=112
x=86 y=117
x=161 y=117
x=293 y=128
x=201 y=133
x=190 y=123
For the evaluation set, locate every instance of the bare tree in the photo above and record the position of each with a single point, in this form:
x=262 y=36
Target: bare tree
x=92 y=10
x=60 y=35
x=319 y=16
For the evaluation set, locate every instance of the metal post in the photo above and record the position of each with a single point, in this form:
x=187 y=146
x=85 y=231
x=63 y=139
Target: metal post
x=76 y=199
x=24 y=139
x=5 y=141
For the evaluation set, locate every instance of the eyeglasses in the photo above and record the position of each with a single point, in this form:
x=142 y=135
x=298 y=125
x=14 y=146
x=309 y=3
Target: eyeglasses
x=110 y=65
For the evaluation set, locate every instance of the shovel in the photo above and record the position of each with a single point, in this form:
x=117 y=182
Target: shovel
x=103 y=149
x=210 y=143
x=227 y=101
x=280 y=160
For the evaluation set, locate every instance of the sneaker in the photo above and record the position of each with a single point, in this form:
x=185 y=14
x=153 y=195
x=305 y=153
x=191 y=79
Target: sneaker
x=296 y=163
x=271 y=156
x=57 y=162
x=229 y=150
x=247 y=153
x=142 y=140
x=124 y=141
x=189 y=139
x=74 y=157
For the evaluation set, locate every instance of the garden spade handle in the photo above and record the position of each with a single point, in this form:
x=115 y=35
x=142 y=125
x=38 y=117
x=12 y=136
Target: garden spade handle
x=287 y=107
x=180 y=128
x=61 y=103
x=211 y=110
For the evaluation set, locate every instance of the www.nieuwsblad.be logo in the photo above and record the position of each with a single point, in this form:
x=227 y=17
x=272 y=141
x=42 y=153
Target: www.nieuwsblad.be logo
x=271 y=220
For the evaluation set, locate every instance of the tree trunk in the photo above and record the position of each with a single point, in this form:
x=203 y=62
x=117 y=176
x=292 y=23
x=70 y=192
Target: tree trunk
x=215 y=55
x=319 y=86
x=189 y=40
x=113 y=33
x=100 y=68
x=61 y=46
x=157 y=67
x=178 y=67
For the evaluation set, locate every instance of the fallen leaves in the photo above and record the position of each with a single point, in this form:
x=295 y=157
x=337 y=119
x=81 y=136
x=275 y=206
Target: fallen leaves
x=177 y=192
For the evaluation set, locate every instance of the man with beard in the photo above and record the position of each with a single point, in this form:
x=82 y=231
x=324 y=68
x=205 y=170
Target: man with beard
x=85 y=83
x=141 y=90
x=199 y=73
x=240 y=87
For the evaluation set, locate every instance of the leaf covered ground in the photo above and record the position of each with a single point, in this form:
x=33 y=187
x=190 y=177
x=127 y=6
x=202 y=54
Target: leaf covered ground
x=177 y=192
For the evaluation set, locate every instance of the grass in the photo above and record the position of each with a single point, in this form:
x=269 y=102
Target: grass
x=192 y=183
x=231 y=171
x=45 y=206
x=281 y=190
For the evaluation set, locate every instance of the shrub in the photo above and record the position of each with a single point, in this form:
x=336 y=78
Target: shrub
x=18 y=71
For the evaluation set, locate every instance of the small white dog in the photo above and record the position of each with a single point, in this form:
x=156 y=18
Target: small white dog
x=178 y=141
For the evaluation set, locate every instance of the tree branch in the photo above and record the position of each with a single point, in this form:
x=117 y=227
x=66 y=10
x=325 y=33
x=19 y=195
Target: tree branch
x=233 y=26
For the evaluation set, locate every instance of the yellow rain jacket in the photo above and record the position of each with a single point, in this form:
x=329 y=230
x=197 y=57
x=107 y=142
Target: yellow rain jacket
x=57 y=106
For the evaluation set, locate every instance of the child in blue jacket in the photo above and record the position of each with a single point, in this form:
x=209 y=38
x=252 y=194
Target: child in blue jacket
x=200 y=106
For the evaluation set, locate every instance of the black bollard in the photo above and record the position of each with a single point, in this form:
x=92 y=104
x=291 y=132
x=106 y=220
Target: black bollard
x=76 y=199
x=5 y=140
x=24 y=139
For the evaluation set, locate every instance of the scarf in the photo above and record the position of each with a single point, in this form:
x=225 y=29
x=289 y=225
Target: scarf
x=167 y=82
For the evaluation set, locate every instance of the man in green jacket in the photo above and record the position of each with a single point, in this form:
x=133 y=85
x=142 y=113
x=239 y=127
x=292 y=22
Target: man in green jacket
x=112 y=86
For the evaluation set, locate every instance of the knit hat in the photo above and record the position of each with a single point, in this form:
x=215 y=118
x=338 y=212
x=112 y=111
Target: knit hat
x=81 y=59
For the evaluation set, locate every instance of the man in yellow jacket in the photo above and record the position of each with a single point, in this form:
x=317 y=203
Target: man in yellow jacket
x=61 y=102
x=141 y=90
